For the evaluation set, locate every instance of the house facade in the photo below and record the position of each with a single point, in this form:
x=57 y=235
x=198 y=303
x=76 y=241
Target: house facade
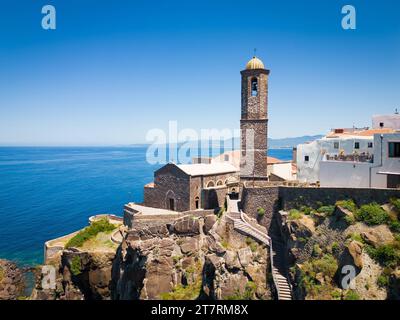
x=382 y=171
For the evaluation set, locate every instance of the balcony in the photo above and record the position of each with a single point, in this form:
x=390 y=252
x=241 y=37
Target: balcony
x=362 y=157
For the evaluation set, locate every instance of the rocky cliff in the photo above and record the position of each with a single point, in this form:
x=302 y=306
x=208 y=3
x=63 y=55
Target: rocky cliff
x=194 y=258
x=12 y=281
x=327 y=244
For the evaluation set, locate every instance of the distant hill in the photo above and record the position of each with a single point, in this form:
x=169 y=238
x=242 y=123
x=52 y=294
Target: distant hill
x=272 y=143
x=291 y=142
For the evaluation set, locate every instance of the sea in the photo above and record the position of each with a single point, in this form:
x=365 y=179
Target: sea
x=47 y=192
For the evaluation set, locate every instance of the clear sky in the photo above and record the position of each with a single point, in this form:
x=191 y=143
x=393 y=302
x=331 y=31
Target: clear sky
x=112 y=70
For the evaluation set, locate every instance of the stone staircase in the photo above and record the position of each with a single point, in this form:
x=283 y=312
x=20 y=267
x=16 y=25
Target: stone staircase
x=277 y=252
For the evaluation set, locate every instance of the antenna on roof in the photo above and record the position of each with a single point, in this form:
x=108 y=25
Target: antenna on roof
x=255 y=51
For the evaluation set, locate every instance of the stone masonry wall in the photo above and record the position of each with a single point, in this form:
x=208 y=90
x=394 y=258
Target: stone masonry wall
x=291 y=196
x=275 y=198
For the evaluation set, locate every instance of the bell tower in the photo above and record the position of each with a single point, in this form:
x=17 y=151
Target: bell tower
x=254 y=121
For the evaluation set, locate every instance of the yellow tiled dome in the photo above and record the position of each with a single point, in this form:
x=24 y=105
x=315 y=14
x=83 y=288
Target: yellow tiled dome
x=254 y=63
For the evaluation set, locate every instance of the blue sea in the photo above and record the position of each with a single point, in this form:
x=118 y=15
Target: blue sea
x=47 y=192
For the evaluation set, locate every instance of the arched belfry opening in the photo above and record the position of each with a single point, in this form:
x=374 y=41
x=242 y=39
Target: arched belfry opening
x=254 y=87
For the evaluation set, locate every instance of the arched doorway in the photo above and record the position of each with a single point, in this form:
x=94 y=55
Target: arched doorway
x=170 y=202
x=197 y=202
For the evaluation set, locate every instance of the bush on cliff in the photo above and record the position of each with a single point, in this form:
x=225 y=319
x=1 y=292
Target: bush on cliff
x=260 y=212
x=102 y=225
x=328 y=210
x=396 y=203
x=387 y=254
x=294 y=214
x=372 y=214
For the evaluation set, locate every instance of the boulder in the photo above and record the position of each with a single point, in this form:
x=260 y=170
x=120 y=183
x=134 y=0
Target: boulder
x=187 y=225
x=355 y=250
x=303 y=227
x=245 y=256
x=189 y=245
x=209 y=222
x=232 y=260
x=377 y=236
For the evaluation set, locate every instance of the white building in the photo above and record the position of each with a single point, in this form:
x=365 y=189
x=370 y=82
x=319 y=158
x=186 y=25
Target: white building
x=349 y=157
x=340 y=142
x=381 y=172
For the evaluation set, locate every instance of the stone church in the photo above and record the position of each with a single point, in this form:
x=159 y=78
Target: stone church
x=205 y=183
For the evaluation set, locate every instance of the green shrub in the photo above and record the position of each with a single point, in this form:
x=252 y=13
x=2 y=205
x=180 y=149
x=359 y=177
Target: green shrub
x=181 y=292
x=328 y=210
x=372 y=214
x=357 y=237
x=351 y=295
x=102 y=225
x=396 y=203
x=76 y=266
x=294 y=214
x=383 y=280
x=335 y=247
x=252 y=244
x=347 y=204
x=260 y=212
x=387 y=255
x=306 y=210
x=394 y=226
x=350 y=219
x=336 y=294
x=326 y=265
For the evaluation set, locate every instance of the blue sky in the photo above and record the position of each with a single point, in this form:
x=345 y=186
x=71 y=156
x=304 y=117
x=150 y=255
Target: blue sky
x=112 y=70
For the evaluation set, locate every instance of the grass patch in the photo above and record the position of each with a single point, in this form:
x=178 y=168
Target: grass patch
x=181 y=292
x=351 y=295
x=252 y=244
x=357 y=237
x=76 y=266
x=294 y=214
x=102 y=225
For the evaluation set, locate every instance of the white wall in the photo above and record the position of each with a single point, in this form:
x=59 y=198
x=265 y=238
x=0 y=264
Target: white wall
x=389 y=121
x=283 y=170
x=383 y=163
x=344 y=174
x=316 y=151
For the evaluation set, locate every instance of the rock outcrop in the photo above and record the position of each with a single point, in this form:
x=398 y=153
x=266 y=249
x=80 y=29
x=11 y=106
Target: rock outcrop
x=12 y=281
x=200 y=258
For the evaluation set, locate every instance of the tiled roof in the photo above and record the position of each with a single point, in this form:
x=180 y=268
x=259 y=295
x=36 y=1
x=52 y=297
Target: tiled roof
x=359 y=133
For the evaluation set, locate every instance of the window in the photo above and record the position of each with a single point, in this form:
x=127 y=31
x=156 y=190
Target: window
x=370 y=145
x=394 y=149
x=381 y=124
x=254 y=87
x=210 y=184
x=306 y=158
x=336 y=145
x=219 y=183
x=226 y=157
x=356 y=145
x=197 y=202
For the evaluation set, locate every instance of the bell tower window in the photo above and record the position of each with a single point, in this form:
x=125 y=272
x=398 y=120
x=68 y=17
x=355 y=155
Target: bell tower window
x=254 y=87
